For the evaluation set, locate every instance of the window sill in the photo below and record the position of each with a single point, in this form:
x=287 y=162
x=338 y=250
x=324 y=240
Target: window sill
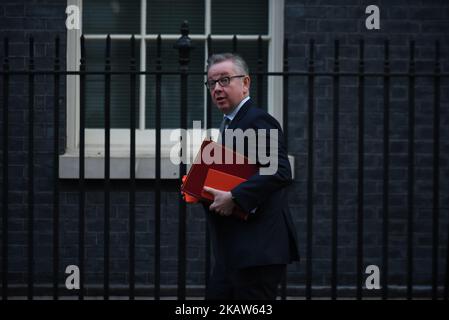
x=94 y=167
x=119 y=167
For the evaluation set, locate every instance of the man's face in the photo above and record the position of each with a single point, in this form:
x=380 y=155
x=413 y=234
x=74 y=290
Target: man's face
x=227 y=98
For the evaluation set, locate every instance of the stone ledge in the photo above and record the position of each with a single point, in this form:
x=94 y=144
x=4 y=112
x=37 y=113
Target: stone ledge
x=119 y=167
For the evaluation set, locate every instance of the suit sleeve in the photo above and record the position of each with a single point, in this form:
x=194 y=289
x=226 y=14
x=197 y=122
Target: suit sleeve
x=252 y=193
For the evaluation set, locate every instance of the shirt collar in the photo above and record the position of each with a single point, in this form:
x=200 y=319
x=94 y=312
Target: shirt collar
x=236 y=110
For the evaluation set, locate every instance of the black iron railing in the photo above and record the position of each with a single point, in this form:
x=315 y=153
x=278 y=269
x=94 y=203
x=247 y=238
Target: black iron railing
x=183 y=46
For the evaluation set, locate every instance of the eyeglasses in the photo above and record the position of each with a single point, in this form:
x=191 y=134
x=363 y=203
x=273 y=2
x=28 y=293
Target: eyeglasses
x=224 y=82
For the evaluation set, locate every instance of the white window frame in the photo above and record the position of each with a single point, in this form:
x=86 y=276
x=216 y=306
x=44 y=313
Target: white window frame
x=145 y=138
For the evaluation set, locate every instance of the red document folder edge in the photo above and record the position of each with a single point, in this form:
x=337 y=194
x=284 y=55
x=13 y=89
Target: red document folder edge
x=224 y=182
x=220 y=181
x=234 y=173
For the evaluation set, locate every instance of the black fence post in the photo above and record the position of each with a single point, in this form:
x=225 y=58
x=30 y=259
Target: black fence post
x=360 y=179
x=107 y=162
x=56 y=173
x=411 y=170
x=183 y=44
x=31 y=171
x=310 y=164
x=285 y=130
x=81 y=186
x=436 y=171
x=157 y=218
x=386 y=171
x=208 y=127
x=285 y=94
x=132 y=166
x=335 y=152
x=259 y=72
x=5 y=198
x=446 y=279
x=209 y=100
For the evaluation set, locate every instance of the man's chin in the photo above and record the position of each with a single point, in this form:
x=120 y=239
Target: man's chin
x=224 y=108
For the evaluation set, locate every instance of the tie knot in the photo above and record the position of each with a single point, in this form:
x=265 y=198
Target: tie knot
x=224 y=123
x=223 y=126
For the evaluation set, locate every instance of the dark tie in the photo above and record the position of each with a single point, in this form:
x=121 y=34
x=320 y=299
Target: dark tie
x=223 y=126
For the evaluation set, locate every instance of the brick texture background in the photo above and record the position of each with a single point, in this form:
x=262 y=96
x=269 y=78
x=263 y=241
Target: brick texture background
x=324 y=21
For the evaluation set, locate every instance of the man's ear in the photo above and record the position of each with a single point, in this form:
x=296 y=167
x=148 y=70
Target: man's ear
x=246 y=83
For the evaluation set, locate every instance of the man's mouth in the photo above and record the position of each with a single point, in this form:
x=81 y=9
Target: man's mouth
x=219 y=99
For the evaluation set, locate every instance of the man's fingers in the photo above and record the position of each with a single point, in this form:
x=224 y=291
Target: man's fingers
x=210 y=190
x=214 y=207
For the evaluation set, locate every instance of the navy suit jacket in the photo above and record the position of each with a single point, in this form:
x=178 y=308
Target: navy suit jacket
x=268 y=236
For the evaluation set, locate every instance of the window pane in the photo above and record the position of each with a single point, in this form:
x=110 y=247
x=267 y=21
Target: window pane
x=120 y=84
x=170 y=89
x=249 y=51
x=111 y=16
x=240 y=17
x=166 y=16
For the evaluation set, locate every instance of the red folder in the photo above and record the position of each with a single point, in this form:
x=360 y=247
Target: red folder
x=222 y=176
x=220 y=181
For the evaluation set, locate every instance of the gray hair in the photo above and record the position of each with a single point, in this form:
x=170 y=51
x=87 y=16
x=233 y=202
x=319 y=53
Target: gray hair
x=238 y=61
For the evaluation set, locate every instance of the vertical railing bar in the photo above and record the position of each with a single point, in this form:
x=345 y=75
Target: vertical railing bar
x=82 y=191
x=260 y=70
x=182 y=240
x=335 y=152
x=411 y=170
x=157 y=232
x=285 y=95
x=310 y=176
x=183 y=45
x=446 y=281
x=436 y=172
x=31 y=171
x=182 y=206
x=386 y=170
x=5 y=198
x=107 y=169
x=285 y=130
x=234 y=44
x=132 y=169
x=209 y=101
x=360 y=204
x=208 y=127
x=56 y=173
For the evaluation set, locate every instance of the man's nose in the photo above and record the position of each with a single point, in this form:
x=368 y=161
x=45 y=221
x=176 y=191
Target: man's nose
x=216 y=87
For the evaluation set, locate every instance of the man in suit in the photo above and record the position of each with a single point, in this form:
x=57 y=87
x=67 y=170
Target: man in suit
x=250 y=256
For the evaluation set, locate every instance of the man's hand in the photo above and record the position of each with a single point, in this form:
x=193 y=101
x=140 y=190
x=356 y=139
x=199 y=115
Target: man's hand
x=223 y=203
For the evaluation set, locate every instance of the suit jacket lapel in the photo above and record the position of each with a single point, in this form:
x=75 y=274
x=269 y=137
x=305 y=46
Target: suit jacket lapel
x=243 y=110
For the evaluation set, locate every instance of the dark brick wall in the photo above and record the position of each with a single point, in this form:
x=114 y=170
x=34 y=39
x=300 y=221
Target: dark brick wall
x=44 y=21
x=324 y=21
x=401 y=21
